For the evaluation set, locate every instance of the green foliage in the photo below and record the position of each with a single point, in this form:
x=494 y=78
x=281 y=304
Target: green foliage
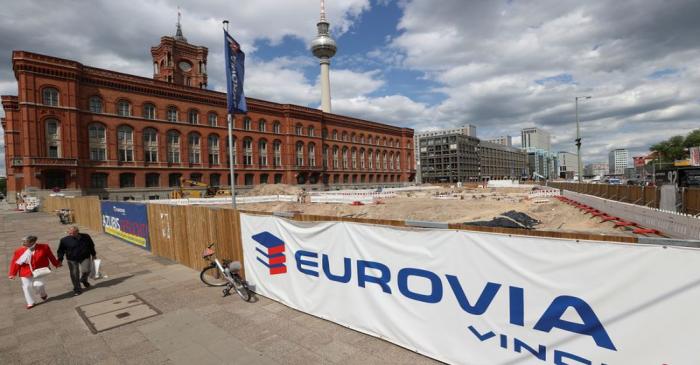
x=674 y=148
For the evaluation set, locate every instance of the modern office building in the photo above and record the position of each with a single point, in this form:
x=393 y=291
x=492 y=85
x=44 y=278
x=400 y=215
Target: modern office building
x=465 y=130
x=618 y=161
x=449 y=158
x=568 y=165
x=97 y=131
x=535 y=138
x=501 y=162
x=502 y=140
x=596 y=169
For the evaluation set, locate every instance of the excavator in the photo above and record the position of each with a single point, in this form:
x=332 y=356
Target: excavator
x=211 y=191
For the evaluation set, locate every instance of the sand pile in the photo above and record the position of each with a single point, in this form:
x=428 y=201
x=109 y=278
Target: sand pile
x=273 y=189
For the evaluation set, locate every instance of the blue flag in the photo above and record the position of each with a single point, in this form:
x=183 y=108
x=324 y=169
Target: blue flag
x=235 y=71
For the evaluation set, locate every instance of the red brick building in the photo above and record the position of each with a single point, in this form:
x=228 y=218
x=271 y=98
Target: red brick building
x=77 y=127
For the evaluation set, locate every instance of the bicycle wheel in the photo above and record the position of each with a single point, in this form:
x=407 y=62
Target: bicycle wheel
x=211 y=276
x=242 y=289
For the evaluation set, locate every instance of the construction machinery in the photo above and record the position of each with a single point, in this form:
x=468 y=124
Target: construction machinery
x=211 y=191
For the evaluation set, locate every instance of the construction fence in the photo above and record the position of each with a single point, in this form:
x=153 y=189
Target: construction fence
x=648 y=196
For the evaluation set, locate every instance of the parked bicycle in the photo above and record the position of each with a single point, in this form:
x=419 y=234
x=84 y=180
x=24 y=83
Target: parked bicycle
x=226 y=273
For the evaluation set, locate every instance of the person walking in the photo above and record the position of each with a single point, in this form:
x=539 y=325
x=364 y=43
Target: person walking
x=31 y=256
x=77 y=248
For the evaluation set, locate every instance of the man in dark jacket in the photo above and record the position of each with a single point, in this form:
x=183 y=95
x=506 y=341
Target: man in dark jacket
x=77 y=248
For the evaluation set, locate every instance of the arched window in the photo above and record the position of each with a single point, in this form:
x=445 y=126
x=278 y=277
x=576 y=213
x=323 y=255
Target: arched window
x=335 y=157
x=353 y=137
x=362 y=138
x=213 y=148
x=152 y=180
x=150 y=145
x=262 y=152
x=362 y=158
x=172 y=114
x=378 y=160
x=311 y=131
x=299 y=130
x=53 y=138
x=195 y=148
x=354 y=158
x=410 y=162
x=345 y=136
x=370 y=161
x=324 y=133
x=50 y=96
x=246 y=124
x=335 y=135
x=262 y=125
x=173 y=147
x=391 y=160
x=325 y=156
x=300 y=154
x=312 y=155
x=123 y=108
x=98 y=180
x=345 y=157
x=398 y=162
x=149 y=111
x=277 y=147
x=276 y=127
x=127 y=180
x=247 y=151
x=174 y=180
x=213 y=119
x=125 y=143
x=97 y=139
x=233 y=151
x=385 y=165
x=95 y=104
x=215 y=179
x=193 y=117
x=369 y=139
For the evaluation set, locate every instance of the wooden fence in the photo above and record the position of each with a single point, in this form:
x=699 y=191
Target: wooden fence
x=691 y=201
x=86 y=209
x=640 y=195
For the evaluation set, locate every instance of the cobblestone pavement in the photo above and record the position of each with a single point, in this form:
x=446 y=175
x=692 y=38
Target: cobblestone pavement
x=197 y=325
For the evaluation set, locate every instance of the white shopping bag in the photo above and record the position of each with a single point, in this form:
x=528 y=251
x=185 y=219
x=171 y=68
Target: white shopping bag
x=95 y=269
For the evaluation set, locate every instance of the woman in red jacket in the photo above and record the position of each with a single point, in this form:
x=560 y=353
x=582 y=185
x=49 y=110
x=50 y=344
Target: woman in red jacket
x=29 y=257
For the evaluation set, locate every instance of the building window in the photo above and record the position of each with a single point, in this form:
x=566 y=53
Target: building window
x=312 y=155
x=172 y=114
x=248 y=179
x=370 y=163
x=213 y=119
x=149 y=111
x=398 y=164
x=194 y=148
x=127 y=180
x=276 y=127
x=262 y=152
x=97 y=139
x=345 y=136
x=345 y=157
x=391 y=161
x=247 y=151
x=233 y=152
x=264 y=178
x=385 y=160
x=95 y=104
x=353 y=137
x=246 y=124
x=311 y=131
x=50 y=96
x=150 y=145
x=215 y=180
x=277 y=149
x=193 y=117
x=362 y=159
x=173 y=147
x=324 y=133
x=354 y=158
x=152 y=180
x=125 y=144
x=299 y=130
x=335 y=157
x=213 y=148
x=262 y=125
x=335 y=135
x=195 y=176
x=379 y=161
x=325 y=156
x=174 y=180
x=300 y=154
x=98 y=181
x=278 y=178
x=53 y=138
x=123 y=108
x=369 y=140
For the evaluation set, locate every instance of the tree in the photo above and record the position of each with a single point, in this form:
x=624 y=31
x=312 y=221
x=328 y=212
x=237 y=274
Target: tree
x=675 y=147
x=692 y=139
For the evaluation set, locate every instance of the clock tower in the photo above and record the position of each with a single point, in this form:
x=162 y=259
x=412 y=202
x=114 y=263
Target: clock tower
x=178 y=62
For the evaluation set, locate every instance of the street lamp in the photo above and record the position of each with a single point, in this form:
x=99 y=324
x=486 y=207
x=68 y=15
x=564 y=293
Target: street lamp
x=578 y=138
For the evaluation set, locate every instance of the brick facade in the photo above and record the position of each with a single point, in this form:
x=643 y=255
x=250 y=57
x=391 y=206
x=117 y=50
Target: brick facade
x=50 y=143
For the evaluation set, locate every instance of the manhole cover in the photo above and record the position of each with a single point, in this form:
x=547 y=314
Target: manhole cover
x=112 y=313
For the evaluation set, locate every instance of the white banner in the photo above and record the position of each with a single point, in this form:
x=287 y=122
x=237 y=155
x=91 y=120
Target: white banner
x=481 y=299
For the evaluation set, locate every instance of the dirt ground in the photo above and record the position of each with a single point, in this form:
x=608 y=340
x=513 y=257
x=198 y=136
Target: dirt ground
x=459 y=205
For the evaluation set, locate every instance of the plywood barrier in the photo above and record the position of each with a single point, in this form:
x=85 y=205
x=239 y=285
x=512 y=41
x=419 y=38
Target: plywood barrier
x=691 y=201
x=86 y=209
x=640 y=195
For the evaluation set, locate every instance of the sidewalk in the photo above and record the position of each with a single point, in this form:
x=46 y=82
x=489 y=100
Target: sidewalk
x=196 y=325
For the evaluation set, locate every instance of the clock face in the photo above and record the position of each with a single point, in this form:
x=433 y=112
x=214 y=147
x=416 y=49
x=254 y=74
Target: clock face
x=184 y=66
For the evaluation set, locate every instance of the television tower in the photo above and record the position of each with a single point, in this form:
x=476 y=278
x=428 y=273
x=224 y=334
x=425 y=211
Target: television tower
x=324 y=48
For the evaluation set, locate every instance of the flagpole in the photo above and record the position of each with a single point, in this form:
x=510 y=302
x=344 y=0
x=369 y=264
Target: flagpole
x=229 y=119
